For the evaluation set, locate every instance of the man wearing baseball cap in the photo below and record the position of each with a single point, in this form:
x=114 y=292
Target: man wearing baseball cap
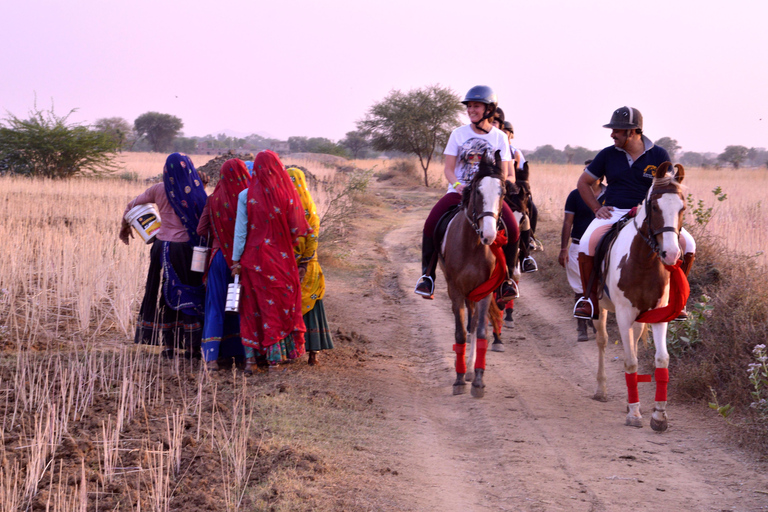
x=628 y=166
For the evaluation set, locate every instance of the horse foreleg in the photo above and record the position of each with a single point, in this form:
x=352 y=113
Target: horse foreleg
x=601 y=391
x=459 y=385
x=472 y=339
x=659 y=416
x=630 y=332
x=481 y=312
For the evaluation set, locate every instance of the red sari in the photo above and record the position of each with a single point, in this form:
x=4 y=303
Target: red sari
x=270 y=315
x=234 y=179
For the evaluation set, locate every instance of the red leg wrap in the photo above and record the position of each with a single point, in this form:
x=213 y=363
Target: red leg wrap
x=461 y=363
x=632 y=396
x=482 y=347
x=662 y=377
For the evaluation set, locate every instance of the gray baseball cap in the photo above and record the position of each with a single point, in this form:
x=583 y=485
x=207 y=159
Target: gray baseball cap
x=625 y=118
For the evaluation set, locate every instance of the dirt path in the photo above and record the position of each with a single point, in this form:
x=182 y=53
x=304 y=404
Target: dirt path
x=536 y=441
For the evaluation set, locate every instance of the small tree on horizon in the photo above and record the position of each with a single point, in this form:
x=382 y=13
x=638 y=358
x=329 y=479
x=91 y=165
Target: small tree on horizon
x=46 y=145
x=734 y=155
x=159 y=129
x=417 y=122
x=117 y=128
x=356 y=142
x=670 y=145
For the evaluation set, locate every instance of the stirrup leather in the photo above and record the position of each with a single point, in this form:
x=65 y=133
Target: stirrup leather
x=580 y=301
x=425 y=279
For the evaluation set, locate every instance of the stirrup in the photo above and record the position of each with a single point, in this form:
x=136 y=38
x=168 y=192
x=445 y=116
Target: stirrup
x=532 y=267
x=588 y=301
x=515 y=290
x=425 y=279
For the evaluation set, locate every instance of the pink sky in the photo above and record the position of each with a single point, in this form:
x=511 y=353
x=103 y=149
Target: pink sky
x=697 y=70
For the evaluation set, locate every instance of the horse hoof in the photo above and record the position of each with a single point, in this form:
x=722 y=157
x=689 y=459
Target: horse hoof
x=478 y=391
x=498 y=347
x=659 y=426
x=634 y=421
x=459 y=389
x=600 y=397
x=469 y=376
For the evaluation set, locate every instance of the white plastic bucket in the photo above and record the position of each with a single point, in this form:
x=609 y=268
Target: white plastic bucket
x=233 y=296
x=145 y=220
x=199 y=258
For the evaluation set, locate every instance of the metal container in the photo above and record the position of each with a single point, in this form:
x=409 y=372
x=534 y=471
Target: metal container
x=233 y=296
x=199 y=258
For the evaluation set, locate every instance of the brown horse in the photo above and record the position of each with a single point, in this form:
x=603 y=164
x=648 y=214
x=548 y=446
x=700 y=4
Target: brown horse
x=469 y=263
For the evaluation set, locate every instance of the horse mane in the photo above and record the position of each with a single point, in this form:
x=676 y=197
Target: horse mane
x=484 y=169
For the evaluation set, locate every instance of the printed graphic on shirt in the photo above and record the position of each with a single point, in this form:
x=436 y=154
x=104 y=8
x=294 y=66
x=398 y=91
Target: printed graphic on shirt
x=648 y=171
x=470 y=154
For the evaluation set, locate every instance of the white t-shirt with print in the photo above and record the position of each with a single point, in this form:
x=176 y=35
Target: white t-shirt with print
x=469 y=147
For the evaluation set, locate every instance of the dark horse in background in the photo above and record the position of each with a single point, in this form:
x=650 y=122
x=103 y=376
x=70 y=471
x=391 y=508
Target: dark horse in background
x=471 y=262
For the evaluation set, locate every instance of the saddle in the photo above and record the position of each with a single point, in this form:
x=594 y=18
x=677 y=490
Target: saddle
x=442 y=225
x=604 y=248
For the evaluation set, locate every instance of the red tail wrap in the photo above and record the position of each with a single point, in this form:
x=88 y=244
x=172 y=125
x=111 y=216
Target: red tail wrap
x=679 y=290
x=662 y=378
x=499 y=273
x=482 y=347
x=461 y=363
x=632 y=396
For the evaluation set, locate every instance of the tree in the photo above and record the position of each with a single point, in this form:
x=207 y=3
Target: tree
x=578 y=154
x=547 y=154
x=159 y=129
x=733 y=155
x=117 y=128
x=356 y=142
x=46 y=145
x=417 y=122
x=670 y=145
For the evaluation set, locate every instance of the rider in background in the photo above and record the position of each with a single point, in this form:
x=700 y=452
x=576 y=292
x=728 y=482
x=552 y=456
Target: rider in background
x=628 y=167
x=466 y=146
x=575 y=221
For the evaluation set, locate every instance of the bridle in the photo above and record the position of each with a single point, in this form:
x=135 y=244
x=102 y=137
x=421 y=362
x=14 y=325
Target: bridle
x=647 y=232
x=475 y=219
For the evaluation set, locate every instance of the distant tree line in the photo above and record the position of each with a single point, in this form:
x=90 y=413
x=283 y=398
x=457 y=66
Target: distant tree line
x=414 y=123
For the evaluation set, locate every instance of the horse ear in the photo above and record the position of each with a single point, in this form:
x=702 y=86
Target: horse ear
x=497 y=157
x=662 y=170
x=680 y=174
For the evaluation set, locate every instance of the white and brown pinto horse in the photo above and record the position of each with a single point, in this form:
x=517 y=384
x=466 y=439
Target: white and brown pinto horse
x=637 y=280
x=469 y=260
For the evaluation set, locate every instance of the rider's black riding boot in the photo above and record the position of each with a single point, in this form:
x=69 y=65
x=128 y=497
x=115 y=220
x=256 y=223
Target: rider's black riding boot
x=509 y=288
x=528 y=263
x=426 y=285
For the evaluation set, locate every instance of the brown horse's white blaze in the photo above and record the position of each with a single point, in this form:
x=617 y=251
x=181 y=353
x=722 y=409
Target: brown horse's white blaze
x=490 y=191
x=637 y=281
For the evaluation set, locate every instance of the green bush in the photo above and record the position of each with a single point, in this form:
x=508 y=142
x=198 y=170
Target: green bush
x=45 y=145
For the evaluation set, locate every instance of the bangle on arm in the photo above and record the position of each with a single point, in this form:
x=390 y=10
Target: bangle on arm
x=456 y=185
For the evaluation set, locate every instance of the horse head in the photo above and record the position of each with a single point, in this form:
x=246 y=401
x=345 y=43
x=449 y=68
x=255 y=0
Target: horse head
x=482 y=198
x=664 y=207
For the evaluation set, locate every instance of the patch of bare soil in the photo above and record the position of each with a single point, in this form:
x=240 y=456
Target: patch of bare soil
x=536 y=441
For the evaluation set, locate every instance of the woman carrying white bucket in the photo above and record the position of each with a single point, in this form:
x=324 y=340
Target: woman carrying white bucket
x=221 y=333
x=180 y=199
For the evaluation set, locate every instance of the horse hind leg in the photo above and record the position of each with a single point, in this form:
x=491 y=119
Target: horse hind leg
x=478 y=386
x=601 y=391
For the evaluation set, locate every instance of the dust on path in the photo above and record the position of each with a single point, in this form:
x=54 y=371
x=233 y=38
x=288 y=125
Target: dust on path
x=536 y=441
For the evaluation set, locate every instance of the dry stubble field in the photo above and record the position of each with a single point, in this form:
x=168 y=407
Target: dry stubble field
x=92 y=422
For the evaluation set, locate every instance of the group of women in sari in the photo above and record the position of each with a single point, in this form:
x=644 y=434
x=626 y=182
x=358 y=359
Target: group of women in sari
x=262 y=226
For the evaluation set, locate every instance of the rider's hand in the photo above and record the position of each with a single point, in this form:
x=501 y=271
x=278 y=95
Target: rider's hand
x=460 y=188
x=604 y=212
x=125 y=232
x=562 y=258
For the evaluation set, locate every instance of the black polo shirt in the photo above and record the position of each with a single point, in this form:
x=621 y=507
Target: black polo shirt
x=627 y=185
x=582 y=215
